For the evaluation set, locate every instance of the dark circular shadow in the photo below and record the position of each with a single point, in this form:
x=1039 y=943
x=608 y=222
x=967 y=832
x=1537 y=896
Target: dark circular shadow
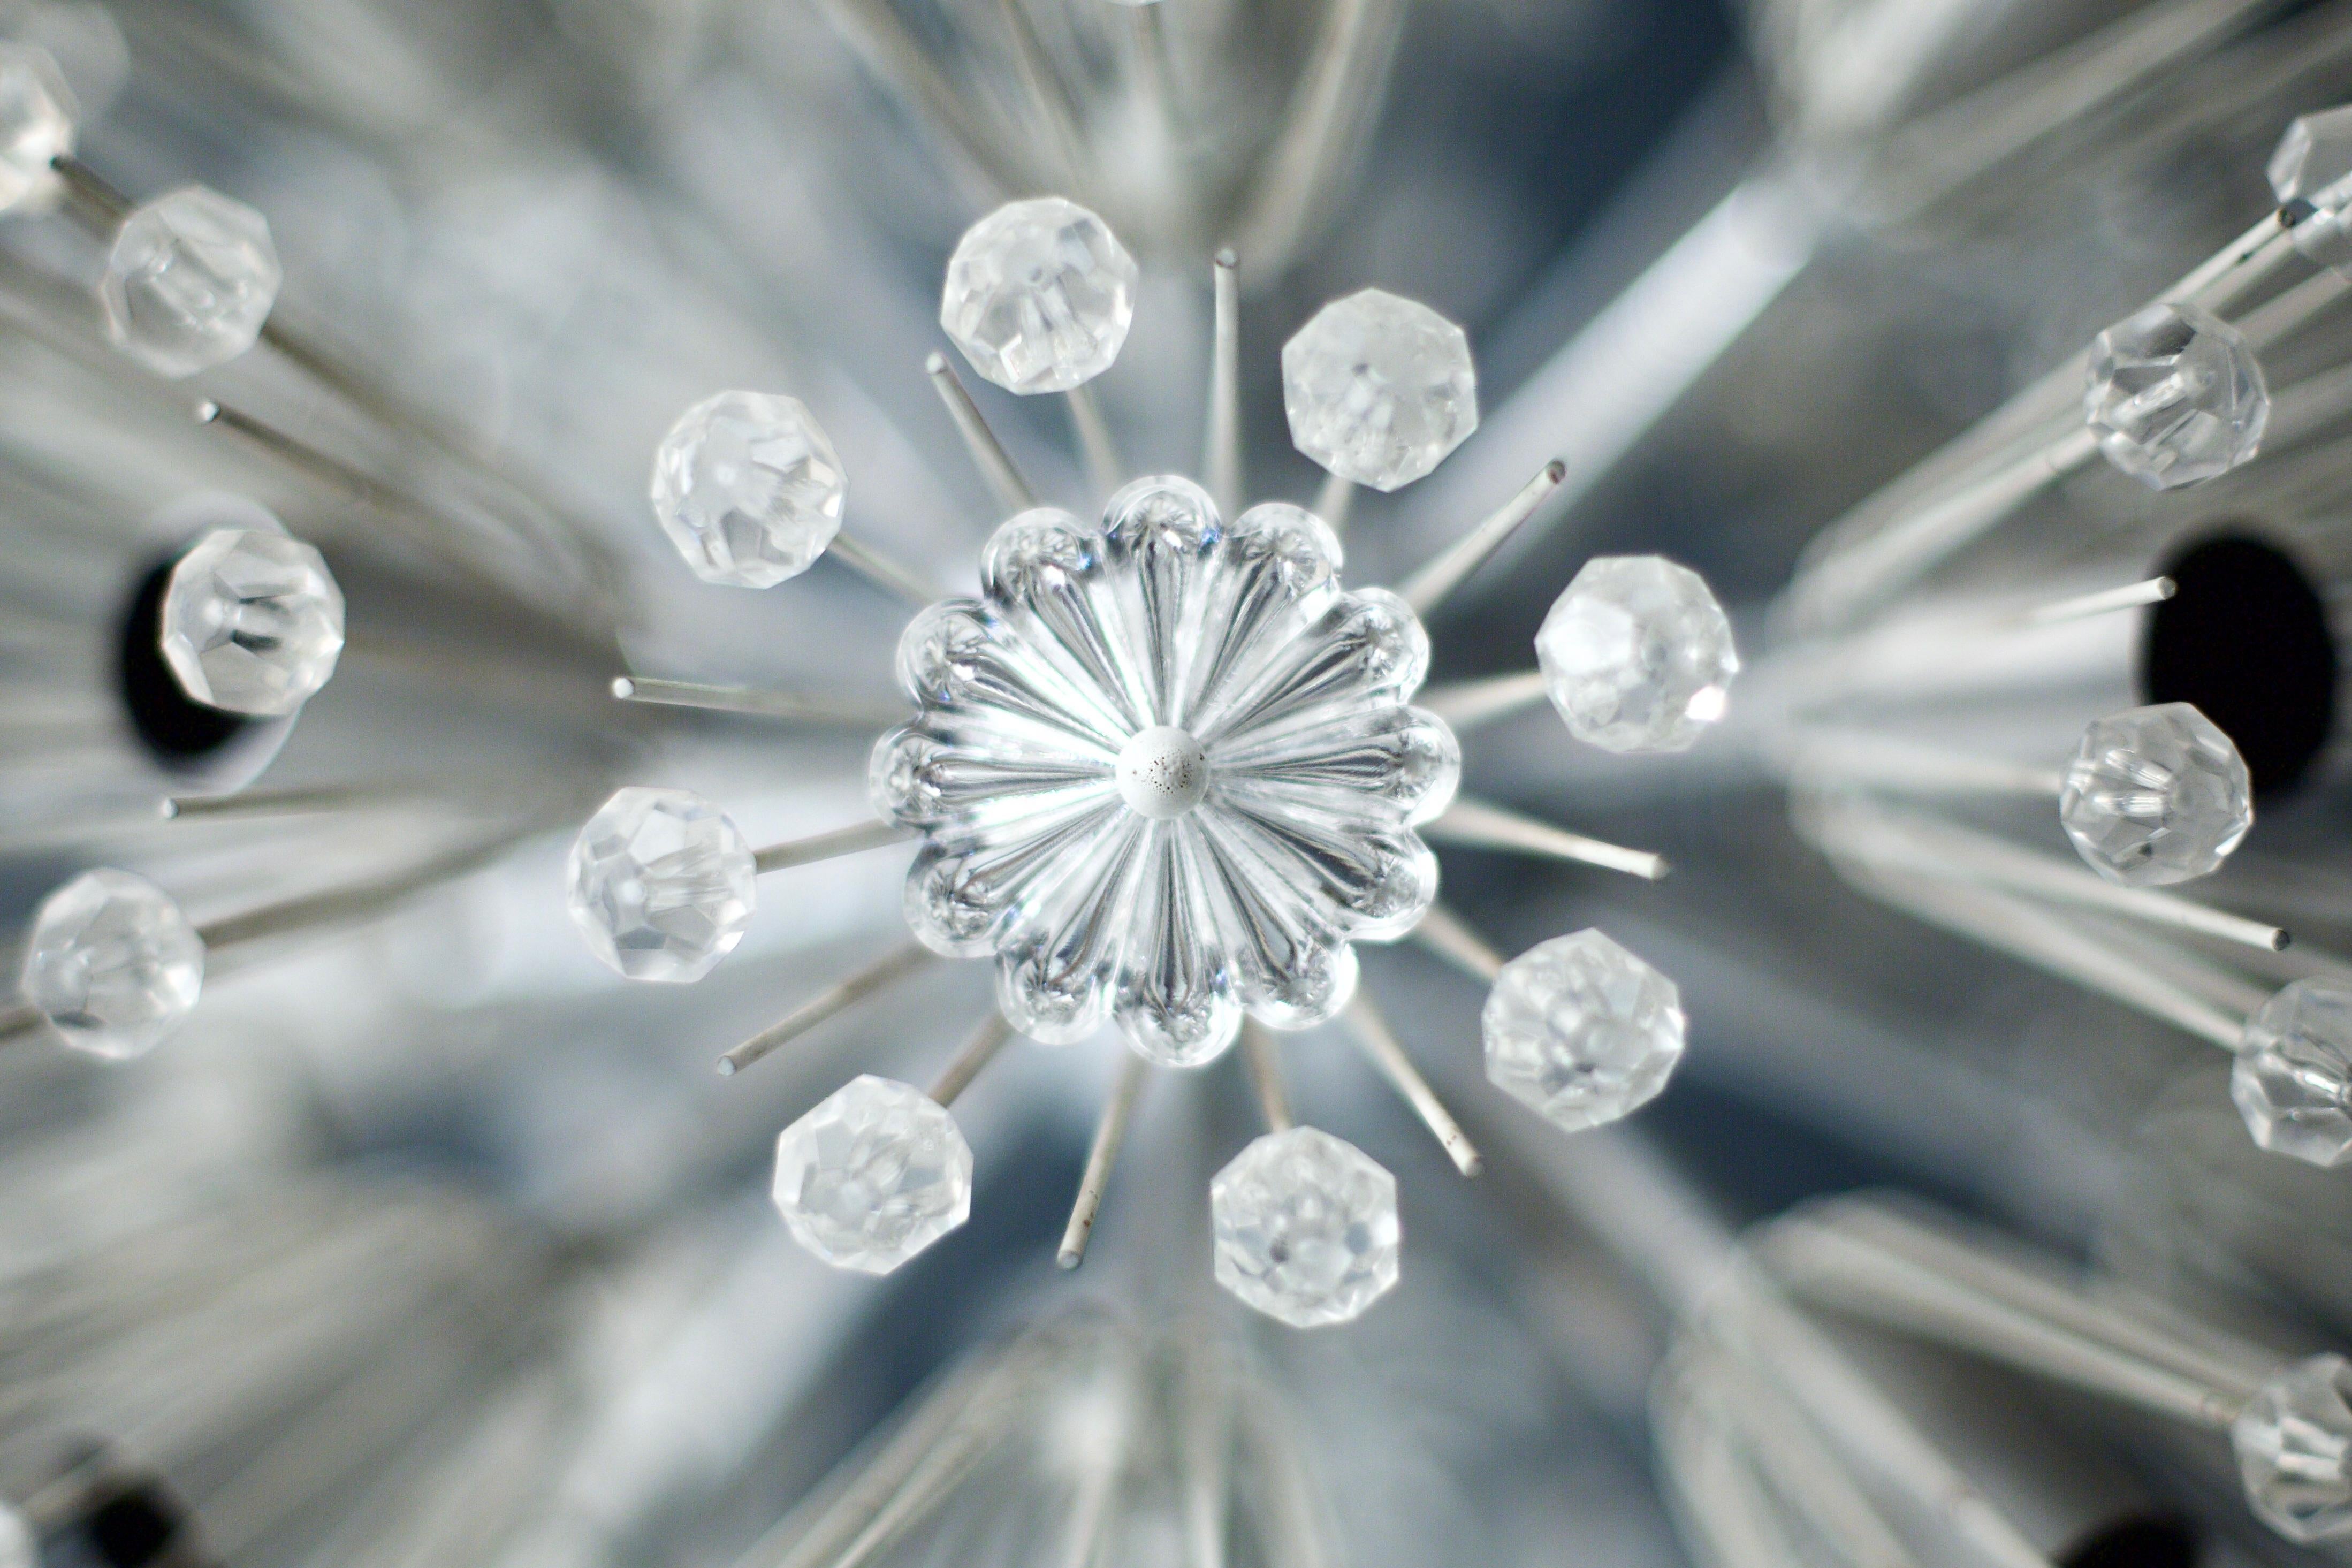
x=2245 y=637
x=177 y=730
x=2142 y=1541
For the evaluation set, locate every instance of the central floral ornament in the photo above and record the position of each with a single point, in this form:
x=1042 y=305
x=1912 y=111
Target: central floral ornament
x=1166 y=771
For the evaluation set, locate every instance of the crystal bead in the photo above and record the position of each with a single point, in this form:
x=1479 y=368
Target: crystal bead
x=2156 y=795
x=2292 y=1071
x=36 y=127
x=747 y=489
x=1306 y=1228
x=2293 y=1445
x=112 y=963
x=1166 y=771
x=2313 y=166
x=252 y=622
x=2175 y=397
x=1637 y=655
x=1581 y=1031
x=191 y=279
x=661 y=884
x=1379 y=388
x=1039 y=295
x=872 y=1176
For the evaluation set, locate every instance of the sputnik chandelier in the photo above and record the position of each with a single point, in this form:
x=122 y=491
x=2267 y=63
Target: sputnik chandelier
x=1165 y=770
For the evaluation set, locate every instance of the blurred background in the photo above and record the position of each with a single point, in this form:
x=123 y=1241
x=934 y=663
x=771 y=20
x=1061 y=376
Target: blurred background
x=429 y=1240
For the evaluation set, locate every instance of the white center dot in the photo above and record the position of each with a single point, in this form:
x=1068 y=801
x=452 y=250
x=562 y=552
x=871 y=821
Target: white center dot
x=1162 y=773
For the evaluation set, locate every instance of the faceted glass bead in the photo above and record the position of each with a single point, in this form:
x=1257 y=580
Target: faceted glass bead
x=1039 y=295
x=2293 y=1072
x=1583 y=1031
x=2313 y=166
x=1306 y=1228
x=112 y=963
x=2293 y=1444
x=191 y=279
x=661 y=884
x=1379 y=388
x=252 y=622
x=749 y=488
x=2156 y=795
x=1165 y=772
x=2175 y=397
x=872 y=1176
x=37 y=125
x=1637 y=655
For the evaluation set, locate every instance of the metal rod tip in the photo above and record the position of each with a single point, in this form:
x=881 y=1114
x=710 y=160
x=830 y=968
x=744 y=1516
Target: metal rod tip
x=168 y=809
x=207 y=411
x=1069 y=1258
x=934 y=362
x=623 y=687
x=2280 y=941
x=726 y=1068
x=1226 y=258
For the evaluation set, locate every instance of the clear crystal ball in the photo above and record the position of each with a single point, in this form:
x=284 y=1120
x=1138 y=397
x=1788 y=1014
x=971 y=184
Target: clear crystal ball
x=872 y=1176
x=2292 y=1071
x=1306 y=1228
x=1165 y=772
x=2156 y=795
x=252 y=622
x=37 y=125
x=661 y=884
x=191 y=278
x=2314 y=164
x=2175 y=397
x=112 y=963
x=749 y=488
x=2293 y=1444
x=1379 y=388
x=1637 y=655
x=1581 y=1030
x=1039 y=295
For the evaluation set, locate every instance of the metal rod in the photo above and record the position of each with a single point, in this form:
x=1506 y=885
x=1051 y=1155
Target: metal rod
x=749 y=703
x=1445 y=933
x=1109 y=1134
x=1333 y=501
x=1047 y=93
x=889 y=969
x=1223 y=439
x=1266 y=1076
x=94 y=201
x=978 y=1051
x=2130 y=596
x=1426 y=588
x=818 y=846
x=288 y=802
x=1908 y=841
x=2058 y=946
x=881 y=571
x=1013 y=492
x=19 y=1020
x=1845 y=757
x=1100 y=452
x=1469 y=703
x=1476 y=823
x=1379 y=1042
x=359 y=900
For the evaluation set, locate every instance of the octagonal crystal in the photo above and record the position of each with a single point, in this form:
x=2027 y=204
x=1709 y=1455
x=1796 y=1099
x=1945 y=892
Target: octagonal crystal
x=749 y=488
x=1306 y=1228
x=252 y=622
x=191 y=278
x=112 y=963
x=661 y=884
x=1165 y=772
x=1379 y=388
x=872 y=1176
x=1637 y=655
x=2175 y=397
x=2293 y=1445
x=2312 y=168
x=36 y=127
x=2156 y=795
x=2293 y=1072
x=1039 y=295
x=1581 y=1030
